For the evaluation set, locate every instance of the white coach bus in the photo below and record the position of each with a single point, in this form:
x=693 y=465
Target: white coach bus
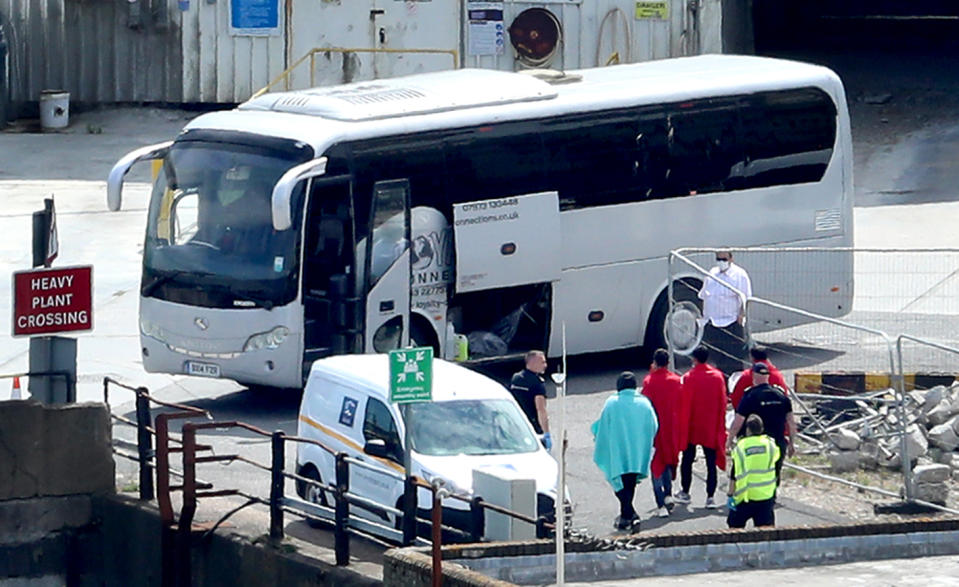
x=499 y=206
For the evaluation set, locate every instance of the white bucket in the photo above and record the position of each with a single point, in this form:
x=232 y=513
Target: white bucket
x=54 y=109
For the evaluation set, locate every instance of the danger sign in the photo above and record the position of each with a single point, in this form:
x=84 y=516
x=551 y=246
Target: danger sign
x=50 y=301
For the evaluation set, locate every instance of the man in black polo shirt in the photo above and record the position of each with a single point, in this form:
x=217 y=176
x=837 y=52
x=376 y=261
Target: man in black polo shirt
x=771 y=404
x=529 y=389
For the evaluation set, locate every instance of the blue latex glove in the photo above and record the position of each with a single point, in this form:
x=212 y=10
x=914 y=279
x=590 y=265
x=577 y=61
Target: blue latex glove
x=547 y=441
x=731 y=503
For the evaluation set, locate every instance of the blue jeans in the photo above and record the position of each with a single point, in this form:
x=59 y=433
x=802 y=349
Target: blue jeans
x=663 y=486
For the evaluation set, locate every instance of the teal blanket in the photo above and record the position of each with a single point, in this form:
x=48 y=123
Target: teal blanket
x=624 y=437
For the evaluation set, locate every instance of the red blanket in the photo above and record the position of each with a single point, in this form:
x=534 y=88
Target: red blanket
x=665 y=392
x=704 y=392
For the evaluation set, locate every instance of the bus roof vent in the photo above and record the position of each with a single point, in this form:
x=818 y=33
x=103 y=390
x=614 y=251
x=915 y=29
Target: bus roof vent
x=407 y=96
x=552 y=76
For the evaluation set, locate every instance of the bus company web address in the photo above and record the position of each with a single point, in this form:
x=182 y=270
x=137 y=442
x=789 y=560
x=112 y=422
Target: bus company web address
x=486 y=218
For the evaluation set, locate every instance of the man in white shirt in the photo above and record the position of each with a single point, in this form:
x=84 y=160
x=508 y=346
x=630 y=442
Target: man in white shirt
x=724 y=312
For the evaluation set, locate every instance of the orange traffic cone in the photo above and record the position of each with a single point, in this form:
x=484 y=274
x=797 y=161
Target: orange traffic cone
x=15 y=393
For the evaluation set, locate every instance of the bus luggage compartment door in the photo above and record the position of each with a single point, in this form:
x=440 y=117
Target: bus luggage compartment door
x=507 y=241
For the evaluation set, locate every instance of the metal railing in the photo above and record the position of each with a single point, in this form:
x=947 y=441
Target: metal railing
x=176 y=551
x=311 y=56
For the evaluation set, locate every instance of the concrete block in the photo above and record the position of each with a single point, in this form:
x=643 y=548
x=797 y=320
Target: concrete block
x=78 y=457
x=843 y=461
x=943 y=411
x=944 y=436
x=29 y=520
x=931 y=473
x=945 y=458
x=932 y=397
x=845 y=439
x=931 y=492
x=21 y=449
x=917 y=445
x=869 y=455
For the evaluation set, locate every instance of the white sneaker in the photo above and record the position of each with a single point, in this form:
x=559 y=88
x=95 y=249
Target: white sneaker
x=668 y=501
x=682 y=497
x=662 y=512
x=711 y=504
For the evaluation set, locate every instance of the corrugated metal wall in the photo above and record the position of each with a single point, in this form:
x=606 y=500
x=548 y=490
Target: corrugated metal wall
x=109 y=51
x=219 y=66
x=98 y=50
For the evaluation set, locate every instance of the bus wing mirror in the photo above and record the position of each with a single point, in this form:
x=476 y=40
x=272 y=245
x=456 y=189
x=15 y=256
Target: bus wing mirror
x=283 y=190
x=115 y=180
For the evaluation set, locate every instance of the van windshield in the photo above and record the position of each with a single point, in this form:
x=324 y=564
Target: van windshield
x=471 y=427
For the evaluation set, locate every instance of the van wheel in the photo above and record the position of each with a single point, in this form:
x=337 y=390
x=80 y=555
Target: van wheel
x=398 y=521
x=684 y=290
x=312 y=493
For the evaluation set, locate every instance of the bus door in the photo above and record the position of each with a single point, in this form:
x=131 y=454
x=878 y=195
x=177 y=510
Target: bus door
x=387 y=267
x=332 y=316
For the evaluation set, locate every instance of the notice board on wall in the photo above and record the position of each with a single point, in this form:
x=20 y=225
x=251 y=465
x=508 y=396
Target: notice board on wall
x=254 y=17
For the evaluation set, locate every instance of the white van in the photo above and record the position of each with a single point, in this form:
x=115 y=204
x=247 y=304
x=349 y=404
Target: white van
x=473 y=422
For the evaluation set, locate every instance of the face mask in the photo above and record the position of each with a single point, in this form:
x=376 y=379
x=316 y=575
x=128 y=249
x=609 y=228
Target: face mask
x=723 y=265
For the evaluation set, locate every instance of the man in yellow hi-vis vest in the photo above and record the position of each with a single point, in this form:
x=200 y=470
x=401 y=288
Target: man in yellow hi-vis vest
x=752 y=478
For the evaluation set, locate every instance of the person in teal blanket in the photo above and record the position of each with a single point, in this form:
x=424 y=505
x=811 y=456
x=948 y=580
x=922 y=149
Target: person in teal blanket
x=624 y=437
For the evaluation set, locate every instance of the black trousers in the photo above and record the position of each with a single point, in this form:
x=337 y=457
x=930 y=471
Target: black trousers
x=727 y=346
x=760 y=512
x=625 y=496
x=779 y=463
x=686 y=469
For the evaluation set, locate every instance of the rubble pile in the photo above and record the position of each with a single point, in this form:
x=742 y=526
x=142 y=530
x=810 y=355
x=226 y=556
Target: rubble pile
x=866 y=434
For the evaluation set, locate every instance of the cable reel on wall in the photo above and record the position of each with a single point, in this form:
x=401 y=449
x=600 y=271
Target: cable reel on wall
x=535 y=34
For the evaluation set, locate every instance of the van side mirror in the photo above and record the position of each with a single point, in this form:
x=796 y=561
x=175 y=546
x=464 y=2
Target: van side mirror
x=376 y=447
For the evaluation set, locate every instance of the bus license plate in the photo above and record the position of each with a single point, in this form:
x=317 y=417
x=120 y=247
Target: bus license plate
x=202 y=369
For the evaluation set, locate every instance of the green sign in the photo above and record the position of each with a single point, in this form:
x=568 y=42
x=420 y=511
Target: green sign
x=411 y=375
x=652 y=10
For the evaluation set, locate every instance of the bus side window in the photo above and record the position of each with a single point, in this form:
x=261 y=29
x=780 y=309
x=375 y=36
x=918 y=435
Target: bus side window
x=498 y=161
x=652 y=156
x=594 y=160
x=788 y=136
x=705 y=154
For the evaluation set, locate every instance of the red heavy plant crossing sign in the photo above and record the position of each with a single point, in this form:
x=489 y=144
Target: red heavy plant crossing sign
x=51 y=301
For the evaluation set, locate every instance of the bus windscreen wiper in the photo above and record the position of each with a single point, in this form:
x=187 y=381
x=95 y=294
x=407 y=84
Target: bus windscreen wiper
x=147 y=290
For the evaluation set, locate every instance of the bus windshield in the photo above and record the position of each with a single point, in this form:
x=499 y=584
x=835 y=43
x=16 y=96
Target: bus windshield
x=471 y=427
x=210 y=240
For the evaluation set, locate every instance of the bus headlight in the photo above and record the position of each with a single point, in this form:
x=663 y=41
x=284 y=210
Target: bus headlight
x=150 y=329
x=266 y=340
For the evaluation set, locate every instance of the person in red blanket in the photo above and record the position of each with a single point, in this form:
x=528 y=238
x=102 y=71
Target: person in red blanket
x=745 y=381
x=665 y=392
x=704 y=390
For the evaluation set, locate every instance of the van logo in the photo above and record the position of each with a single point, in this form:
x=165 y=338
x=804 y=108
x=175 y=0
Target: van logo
x=348 y=411
x=201 y=323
